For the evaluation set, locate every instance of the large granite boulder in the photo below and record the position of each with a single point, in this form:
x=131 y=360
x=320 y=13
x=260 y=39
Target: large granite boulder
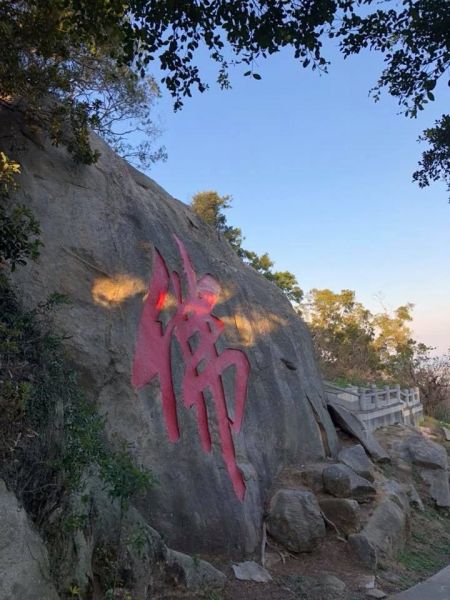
x=295 y=520
x=24 y=564
x=196 y=361
x=383 y=535
x=426 y=453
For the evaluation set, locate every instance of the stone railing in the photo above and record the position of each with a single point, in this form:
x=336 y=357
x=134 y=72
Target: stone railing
x=377 y=407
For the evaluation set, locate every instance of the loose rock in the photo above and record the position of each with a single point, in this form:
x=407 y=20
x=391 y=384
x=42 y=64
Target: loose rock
x=251 y=571
x=295 y=520
x=356 y=458
x=446 y=433
x=376 y=593
x=344 y=513
x=343 y=482
x=325 y=587
x=438 y=485
x=194 y=573
x=396 y=492
x=366 y=582
x=414 y=498
x=350 y=423
x=427 y=454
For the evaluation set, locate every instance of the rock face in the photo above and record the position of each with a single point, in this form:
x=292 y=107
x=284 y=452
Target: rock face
x=190 y=374
x=24 y=567
x=343 y=482
x=295 y=521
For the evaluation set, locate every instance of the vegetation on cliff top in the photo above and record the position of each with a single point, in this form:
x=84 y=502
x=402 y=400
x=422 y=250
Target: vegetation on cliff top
x=210 y=206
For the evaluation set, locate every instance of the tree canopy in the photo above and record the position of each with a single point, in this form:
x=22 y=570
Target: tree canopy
x=67 y=63
x=97 y=57
x=355 y=344
x=209 y=206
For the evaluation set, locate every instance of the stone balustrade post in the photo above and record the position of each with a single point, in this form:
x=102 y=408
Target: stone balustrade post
x=417 y=395
x=374 y=395
x=362 y=398
x=387 y=395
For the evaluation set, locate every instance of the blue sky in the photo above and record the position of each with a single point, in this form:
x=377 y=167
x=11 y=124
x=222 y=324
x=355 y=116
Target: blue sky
x=321 y=179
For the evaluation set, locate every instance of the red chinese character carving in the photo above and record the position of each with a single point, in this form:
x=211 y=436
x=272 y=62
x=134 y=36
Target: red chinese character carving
x=196 y=331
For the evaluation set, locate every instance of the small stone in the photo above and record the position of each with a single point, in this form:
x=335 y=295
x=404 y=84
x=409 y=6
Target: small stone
x=392 y=577
x=367 y=582
x=446 y=434
x=376 y=593
x=272 y=559
x=251 y=571
x=323 y=587
x=331 y=586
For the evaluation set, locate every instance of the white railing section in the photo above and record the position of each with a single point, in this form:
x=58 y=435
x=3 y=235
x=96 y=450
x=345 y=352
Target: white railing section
x=377 y=407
